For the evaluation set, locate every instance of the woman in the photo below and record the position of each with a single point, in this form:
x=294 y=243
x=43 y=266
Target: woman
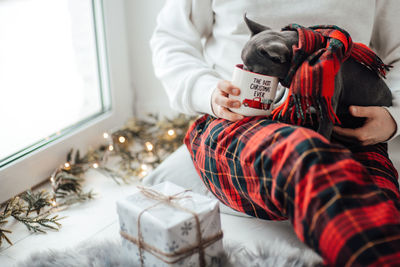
x=342 y=199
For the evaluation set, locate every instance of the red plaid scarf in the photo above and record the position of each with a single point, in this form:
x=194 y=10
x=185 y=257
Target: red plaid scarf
x=315 y=63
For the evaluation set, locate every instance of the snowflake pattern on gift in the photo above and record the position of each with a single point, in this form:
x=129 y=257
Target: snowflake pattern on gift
x=181 y=262
x=123 y=227
x=172 y=247
x=138 y=255
x=187 y=226
x=216 y=261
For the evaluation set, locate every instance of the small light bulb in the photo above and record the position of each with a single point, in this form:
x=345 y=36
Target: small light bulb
x=144 y=167
x=53 y=203
x=110 y=147
x=171 y=132
x=149 y=146
x=122 y=139
x=95 y=165
x=67 y=165
x=142 y=174
x=105 y=135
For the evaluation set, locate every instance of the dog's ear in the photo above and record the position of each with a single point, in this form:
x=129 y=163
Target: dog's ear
x=253 y=26
x=276 y=52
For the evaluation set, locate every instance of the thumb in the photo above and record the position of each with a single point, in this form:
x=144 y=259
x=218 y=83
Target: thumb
x=359 y=111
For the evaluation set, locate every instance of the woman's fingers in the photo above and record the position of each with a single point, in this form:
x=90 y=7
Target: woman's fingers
x=227 y=102
x=378 y=127
x=228 y=88
x=224 y=113
x=221 y=103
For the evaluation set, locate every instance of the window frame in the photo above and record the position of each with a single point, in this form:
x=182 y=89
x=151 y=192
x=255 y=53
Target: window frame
x=35 y=167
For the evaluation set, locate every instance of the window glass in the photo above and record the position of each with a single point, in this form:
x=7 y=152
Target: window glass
x=49 y=72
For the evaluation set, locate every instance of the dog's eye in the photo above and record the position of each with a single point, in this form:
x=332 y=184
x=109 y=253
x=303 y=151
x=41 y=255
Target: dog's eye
x=276 y=60
x=263 y=53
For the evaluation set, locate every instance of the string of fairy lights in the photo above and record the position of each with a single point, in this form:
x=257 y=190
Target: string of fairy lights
x=136 y=149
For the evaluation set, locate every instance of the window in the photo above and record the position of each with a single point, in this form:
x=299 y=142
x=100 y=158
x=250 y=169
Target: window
x=48 y=72
x=61 y=86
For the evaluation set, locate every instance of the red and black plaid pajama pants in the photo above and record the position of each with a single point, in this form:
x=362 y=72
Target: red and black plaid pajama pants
x=342 y=202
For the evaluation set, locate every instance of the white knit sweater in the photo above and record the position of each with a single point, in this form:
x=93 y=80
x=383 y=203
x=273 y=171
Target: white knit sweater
x=198 y=42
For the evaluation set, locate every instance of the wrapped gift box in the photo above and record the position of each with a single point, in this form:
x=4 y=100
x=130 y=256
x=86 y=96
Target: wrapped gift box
x=170 y=227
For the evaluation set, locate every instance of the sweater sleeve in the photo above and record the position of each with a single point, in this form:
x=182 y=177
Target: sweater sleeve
x=178 y=59
x=386 y=42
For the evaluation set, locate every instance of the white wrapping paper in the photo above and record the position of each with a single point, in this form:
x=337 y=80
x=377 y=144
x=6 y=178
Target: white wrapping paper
x=170 y=229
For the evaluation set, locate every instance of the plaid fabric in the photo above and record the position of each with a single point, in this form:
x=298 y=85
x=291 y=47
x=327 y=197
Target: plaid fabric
x=344 y=204
x=311 y=77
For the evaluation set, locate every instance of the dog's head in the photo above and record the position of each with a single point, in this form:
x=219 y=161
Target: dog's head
x=268 y=52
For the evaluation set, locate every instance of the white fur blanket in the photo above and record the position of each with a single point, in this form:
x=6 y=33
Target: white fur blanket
x=109 y=254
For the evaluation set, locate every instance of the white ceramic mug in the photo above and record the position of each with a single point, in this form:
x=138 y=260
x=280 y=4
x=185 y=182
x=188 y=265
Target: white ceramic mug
x=257 y=92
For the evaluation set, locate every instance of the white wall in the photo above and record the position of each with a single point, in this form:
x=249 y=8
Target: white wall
x=149 y=94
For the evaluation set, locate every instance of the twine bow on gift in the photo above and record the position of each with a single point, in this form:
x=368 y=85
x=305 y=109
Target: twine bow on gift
x=199 y=246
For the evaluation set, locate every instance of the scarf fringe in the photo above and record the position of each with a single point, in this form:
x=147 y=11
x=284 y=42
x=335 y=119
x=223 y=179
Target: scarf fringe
x=297 y=110
x=364 y=55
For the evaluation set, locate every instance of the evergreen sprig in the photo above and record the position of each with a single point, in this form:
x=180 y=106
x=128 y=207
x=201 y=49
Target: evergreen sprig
x=36 y=201
x=19 y=209
x=4 y=232
x=37 y=223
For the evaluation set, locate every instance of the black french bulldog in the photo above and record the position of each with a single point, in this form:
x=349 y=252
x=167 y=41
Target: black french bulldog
x=269 y=52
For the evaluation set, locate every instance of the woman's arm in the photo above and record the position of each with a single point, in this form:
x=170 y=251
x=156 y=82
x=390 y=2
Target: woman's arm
x=178 y=54
x=386 y=42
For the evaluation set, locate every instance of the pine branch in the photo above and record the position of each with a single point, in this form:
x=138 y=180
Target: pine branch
x=3 y=232
x=36 y=201
x=37 y=223
x=67 y=183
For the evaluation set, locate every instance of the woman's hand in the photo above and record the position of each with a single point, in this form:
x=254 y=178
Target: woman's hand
x=220 y=102
x=379 y=125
